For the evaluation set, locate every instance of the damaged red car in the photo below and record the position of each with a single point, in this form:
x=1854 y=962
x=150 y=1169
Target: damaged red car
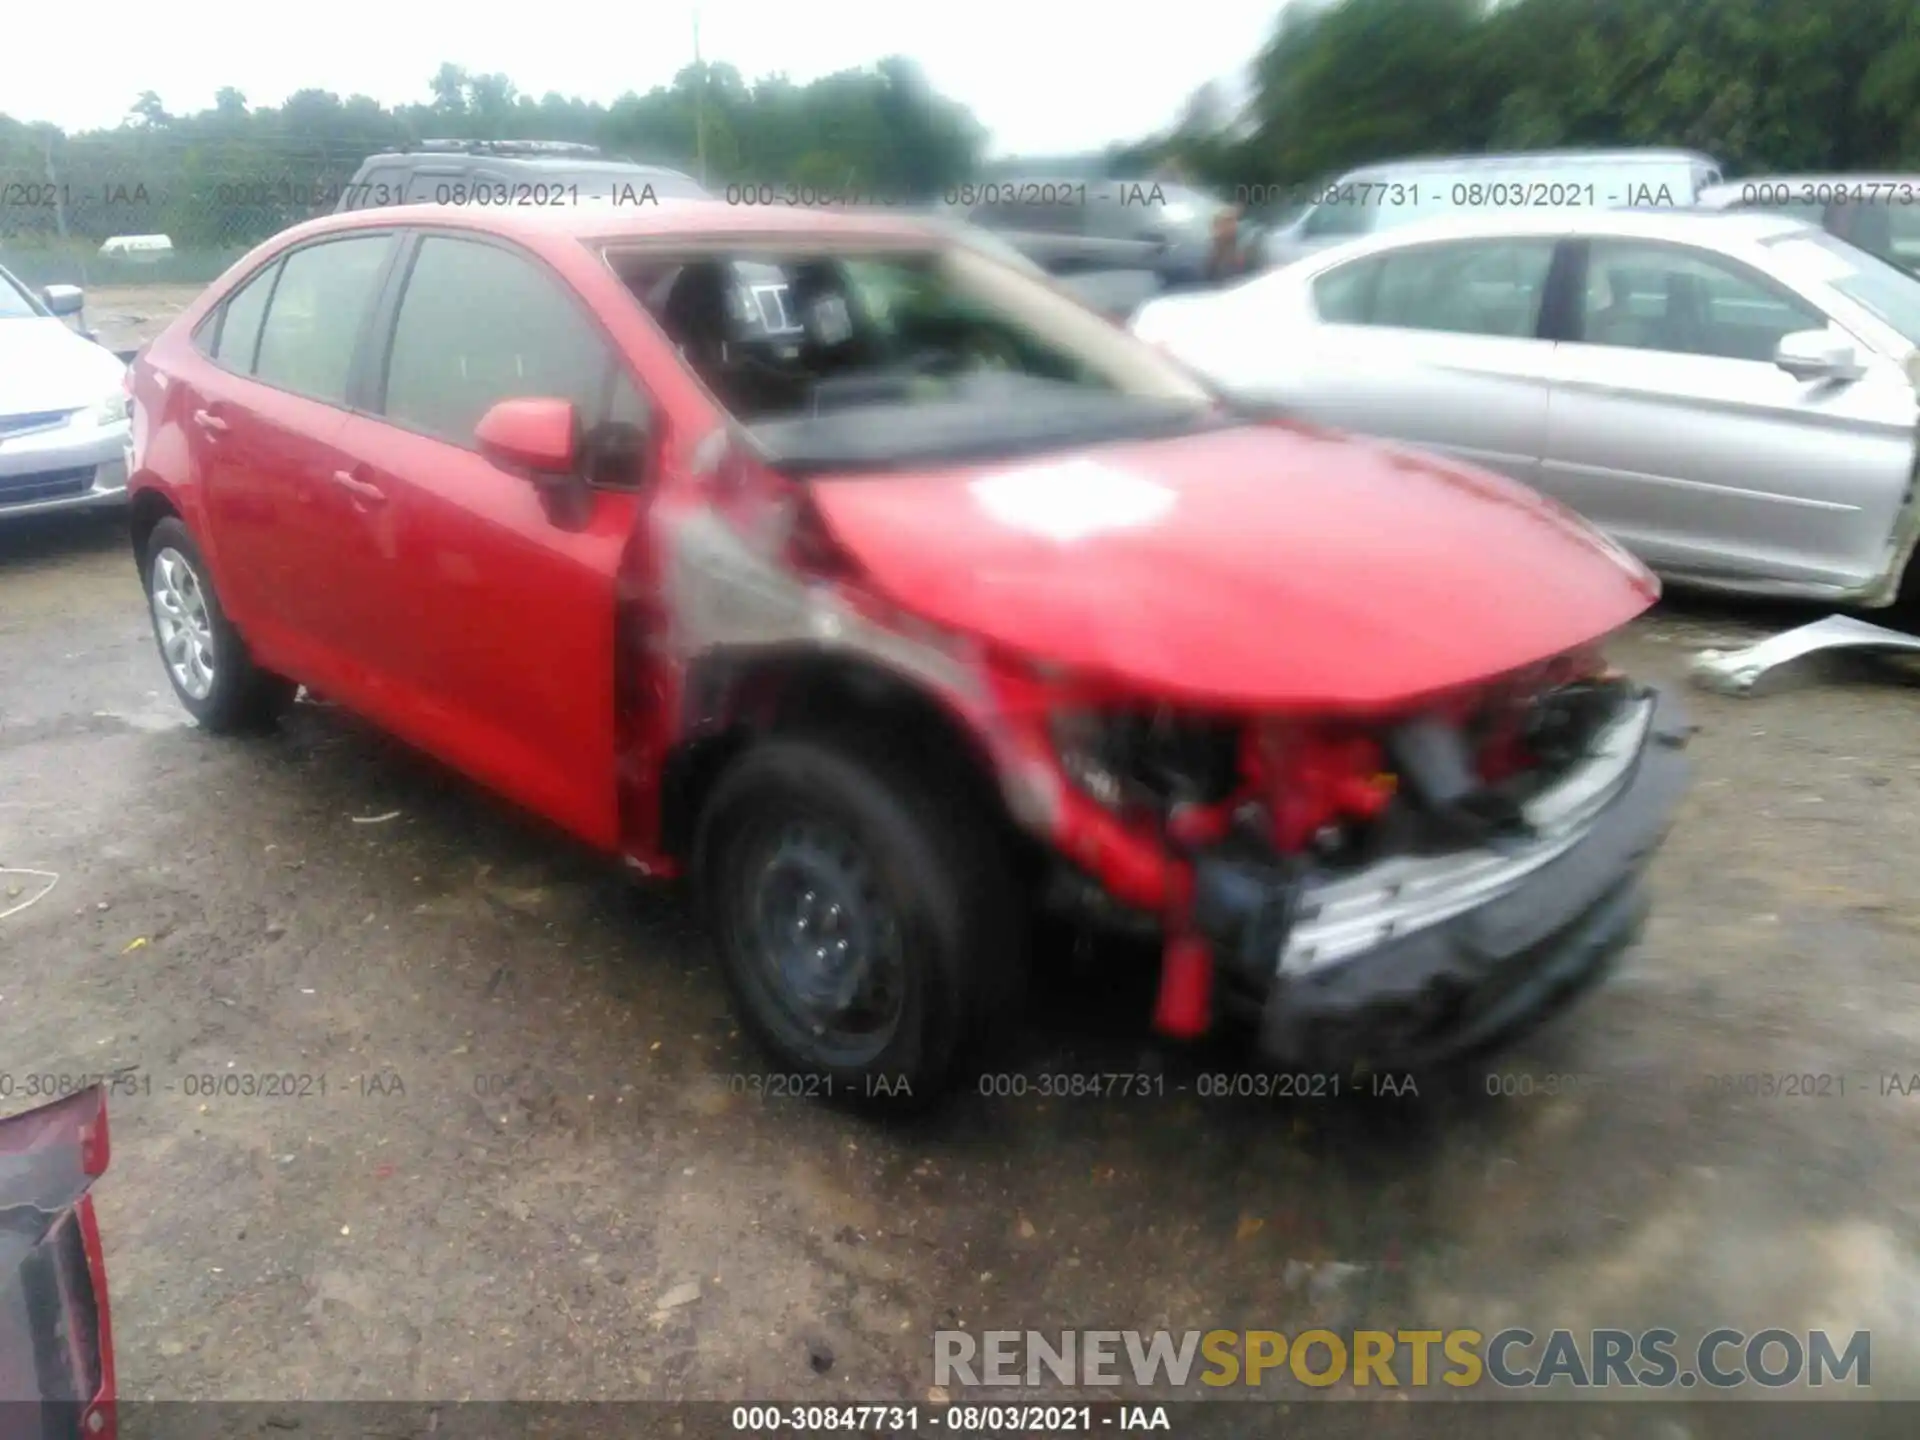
x=888 y=592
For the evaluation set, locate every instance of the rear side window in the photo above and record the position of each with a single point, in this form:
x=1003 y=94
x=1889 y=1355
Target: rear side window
x=313 y=324
x=1473 y=287
x=382 y=185
x=240 y=326
x=1344 y=296
x=479 y=324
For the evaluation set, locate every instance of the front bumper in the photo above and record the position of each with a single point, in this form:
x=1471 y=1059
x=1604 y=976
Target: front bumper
x=1418 y=960
x=64 y=467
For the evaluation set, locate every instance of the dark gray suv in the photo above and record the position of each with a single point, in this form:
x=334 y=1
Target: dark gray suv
x=510 y=172
x=1099 y=224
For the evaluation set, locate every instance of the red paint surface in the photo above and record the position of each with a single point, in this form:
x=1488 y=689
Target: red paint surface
x=1292 y=572
x=1184 y=1009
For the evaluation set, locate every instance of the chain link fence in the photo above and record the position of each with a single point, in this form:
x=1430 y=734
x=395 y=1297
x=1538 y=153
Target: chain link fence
x=90 y=211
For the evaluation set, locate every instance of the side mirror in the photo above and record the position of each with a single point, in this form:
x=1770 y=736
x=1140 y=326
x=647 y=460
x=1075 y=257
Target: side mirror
x=64 y=299
x=539 y=434
x=1817 y=355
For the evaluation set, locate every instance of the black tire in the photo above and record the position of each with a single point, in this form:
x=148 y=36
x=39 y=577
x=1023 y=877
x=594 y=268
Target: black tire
x=241 y=696
x=935 y=868
x=1904 y=612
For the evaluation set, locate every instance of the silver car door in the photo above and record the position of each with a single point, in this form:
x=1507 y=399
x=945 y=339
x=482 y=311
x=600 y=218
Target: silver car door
x=1431 y=345
x=1670 y=426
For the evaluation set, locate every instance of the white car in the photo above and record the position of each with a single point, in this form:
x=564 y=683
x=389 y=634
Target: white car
x=1729 y=396
x=65 y=439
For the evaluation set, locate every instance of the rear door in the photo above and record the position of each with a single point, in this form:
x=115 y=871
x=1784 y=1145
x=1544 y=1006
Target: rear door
x=290 y=545
x=1671 y=427
x=1433 y=345
x=495 y=646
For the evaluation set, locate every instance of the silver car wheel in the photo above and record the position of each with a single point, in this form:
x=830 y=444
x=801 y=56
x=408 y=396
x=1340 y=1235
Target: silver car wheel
x=180 y=617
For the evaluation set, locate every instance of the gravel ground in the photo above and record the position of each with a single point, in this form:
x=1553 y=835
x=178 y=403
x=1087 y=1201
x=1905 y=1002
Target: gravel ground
x=125 y=317
x=540 y=1167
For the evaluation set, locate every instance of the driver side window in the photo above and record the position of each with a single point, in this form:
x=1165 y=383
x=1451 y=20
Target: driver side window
x=479 y=324
x=1686 y=302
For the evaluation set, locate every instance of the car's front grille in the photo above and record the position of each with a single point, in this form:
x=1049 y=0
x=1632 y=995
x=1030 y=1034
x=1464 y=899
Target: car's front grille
x=11 y=425
x=44 y=485
x=1345 y=916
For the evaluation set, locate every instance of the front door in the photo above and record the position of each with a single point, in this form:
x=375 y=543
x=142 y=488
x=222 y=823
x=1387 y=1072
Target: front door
x=1671 y=427
x=495 y=637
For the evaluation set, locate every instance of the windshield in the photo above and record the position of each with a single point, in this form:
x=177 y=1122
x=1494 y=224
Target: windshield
x=894 y=357
x=14 y=302
x=1885 y=291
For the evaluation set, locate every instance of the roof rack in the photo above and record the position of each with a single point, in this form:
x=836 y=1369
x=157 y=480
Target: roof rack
x=507 y=147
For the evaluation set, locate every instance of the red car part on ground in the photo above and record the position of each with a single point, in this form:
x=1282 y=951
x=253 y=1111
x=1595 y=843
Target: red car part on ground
x=56 y=1334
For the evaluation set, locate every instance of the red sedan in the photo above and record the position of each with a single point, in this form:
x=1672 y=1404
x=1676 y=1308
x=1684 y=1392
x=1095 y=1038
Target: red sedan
x=890 y=592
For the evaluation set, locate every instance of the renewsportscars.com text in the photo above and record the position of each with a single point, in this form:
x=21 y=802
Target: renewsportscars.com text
x=1400 y=1359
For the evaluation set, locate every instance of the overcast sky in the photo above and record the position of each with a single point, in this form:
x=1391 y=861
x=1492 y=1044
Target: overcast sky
x=1045 y=76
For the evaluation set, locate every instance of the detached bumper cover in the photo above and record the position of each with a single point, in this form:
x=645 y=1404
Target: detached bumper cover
x=1420 y=960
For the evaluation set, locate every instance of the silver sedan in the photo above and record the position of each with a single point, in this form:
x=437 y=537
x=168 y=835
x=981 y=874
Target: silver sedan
x=65 y=440
x=1730 y=396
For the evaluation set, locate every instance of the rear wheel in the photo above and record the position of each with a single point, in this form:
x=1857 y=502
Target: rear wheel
x=205 y=659
x=866 y=921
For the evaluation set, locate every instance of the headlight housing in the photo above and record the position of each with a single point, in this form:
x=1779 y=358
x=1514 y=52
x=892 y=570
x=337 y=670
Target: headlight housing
x=1149 y=756
x=110 y=410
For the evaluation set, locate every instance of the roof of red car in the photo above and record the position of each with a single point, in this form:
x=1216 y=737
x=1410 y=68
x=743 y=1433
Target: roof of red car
x=601 y=222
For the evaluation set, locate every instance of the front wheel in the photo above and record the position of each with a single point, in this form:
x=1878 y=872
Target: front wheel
x=205 y=658
x=866 y=921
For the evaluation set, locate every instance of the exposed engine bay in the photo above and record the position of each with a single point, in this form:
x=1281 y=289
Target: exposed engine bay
x=1345 y=795
x=1309 y=843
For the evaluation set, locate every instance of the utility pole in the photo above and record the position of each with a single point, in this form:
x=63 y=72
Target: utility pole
x=699 y=103
x=53 y=184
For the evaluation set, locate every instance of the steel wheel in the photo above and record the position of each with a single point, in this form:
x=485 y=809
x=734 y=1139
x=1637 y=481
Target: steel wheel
x=184 y=625
x=826 y=946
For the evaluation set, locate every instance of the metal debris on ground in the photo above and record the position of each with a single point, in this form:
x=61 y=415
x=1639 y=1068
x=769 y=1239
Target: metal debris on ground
x=376 y=819
x=1739 y=672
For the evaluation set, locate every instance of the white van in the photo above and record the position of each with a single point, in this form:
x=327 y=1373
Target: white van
x=1379 y=197
x=137 y=247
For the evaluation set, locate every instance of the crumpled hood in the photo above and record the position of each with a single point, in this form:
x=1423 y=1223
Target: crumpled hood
x=45 y=366
x=1267 y=566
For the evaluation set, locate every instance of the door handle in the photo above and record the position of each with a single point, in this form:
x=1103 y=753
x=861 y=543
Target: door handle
x=207 y=420
x=360 y=489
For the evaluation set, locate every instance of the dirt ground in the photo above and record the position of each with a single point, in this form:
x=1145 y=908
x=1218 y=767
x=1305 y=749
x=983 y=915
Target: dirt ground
x=523 y=1153
x=125 y=317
